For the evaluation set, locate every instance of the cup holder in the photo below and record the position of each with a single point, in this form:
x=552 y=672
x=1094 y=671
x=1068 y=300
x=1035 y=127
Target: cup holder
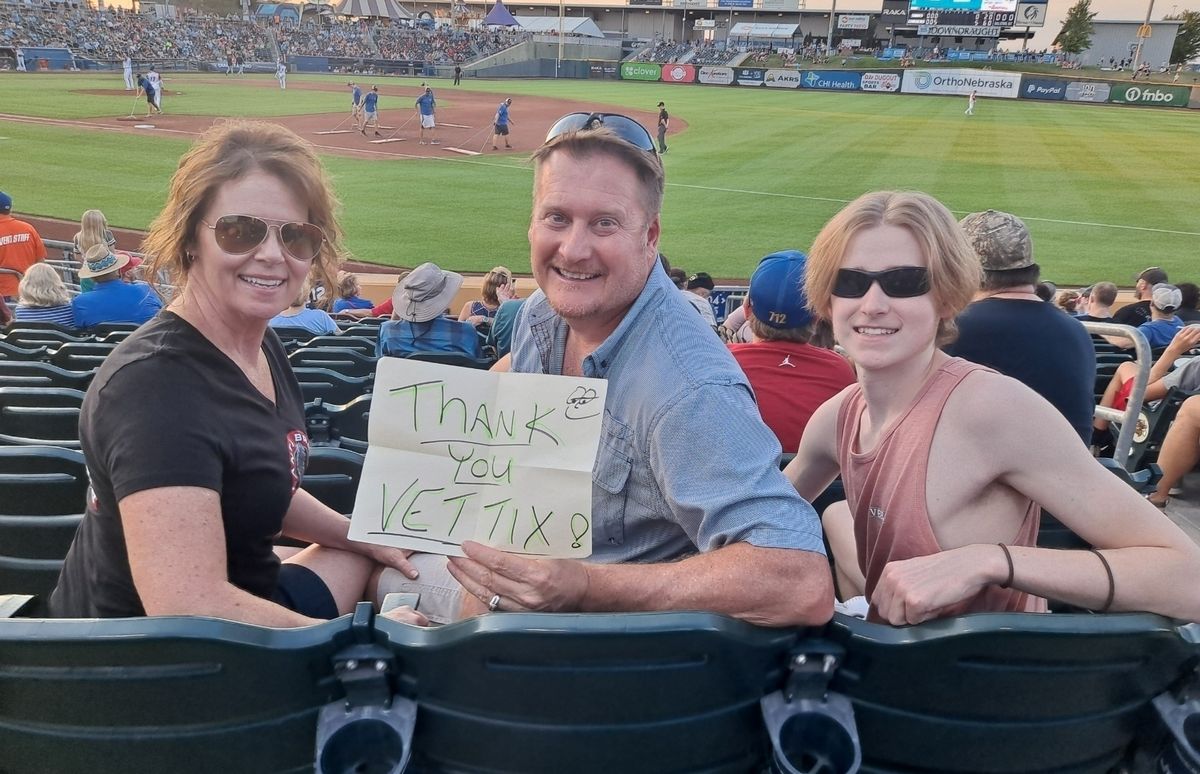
x=365 y=740
x=1182 y=752
x=812 y=737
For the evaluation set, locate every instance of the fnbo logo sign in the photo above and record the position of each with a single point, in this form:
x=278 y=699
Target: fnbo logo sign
x=641 y=71
x=1164 y=96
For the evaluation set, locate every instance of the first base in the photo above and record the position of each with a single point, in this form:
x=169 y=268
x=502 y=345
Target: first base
x=387 y=139
x=463 y=151
x=335 y=131
x=143 y=126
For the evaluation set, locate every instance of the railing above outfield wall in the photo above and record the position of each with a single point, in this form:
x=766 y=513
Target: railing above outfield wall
x=331 y=64
x=943 y=81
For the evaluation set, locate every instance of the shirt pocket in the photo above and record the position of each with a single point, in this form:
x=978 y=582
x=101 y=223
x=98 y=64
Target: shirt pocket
x=610 y=475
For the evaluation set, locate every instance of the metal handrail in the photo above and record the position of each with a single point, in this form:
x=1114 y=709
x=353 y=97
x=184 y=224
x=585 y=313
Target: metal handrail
x=1143 y=360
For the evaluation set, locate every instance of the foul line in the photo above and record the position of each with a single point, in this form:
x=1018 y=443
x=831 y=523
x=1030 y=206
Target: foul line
x=956 y=212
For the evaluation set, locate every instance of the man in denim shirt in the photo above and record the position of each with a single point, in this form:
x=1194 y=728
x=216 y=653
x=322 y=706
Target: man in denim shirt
x=689 y=509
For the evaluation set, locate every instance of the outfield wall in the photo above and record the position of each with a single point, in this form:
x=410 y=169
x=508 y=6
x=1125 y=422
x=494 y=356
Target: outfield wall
x=937 y=81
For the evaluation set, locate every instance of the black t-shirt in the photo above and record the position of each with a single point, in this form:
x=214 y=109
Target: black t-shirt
x=1133 y=314
x=168 y=408
x=1035 y=343
x=663 y=117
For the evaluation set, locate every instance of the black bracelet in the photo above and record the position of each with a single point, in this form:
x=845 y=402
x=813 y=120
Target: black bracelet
x=1008 y=583
x=1112 y=584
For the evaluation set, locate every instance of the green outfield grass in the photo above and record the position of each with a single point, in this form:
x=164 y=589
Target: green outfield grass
x=1106 y=191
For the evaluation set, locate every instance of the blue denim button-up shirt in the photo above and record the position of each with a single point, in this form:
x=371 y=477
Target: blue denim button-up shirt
x=685 y=462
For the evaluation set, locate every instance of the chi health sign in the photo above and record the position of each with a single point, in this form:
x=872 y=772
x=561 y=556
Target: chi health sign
x=955 y=81
x=880 y=82
x=836 y=80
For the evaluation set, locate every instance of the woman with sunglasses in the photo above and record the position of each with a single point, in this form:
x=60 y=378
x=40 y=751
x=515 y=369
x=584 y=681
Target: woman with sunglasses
x=946 y=464
x=193 y=428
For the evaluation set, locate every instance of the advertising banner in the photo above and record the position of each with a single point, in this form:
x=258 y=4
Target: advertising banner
x=880 y=82
x=1031 y=15
x=720 y=76
x=1158 y=96
x=1084 y=91
x=735 y=3
x=640 y=71
x=987 y=83
x=853 y=21
x=850 y=42
x=748 y=76
x=1194 y=102
x=895 y=11
x=602 y=70
x=679 y=73
x=1043 y=88
x=836 y=80
x=893 y=53
x=958 y=31
x=782 y=79
x=689 y=3
x=780 y=5
x=645 y=2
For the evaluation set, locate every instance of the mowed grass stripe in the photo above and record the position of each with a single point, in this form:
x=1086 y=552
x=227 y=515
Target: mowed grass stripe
x=1047 y=162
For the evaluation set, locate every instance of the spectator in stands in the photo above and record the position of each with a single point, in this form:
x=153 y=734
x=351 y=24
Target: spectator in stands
x=945 y=462
x=1139 y=312
x=1163 y=324
x=299 y=315
x=498 y=286
x=348 y=298
x=43 y=296
x=193 y=428
x=679 y=277
x=420 y=325
x=1161 y=378
x=500 y=336
x=1187 y=310
x=383 y=308
x=20 y=247
x=1180 y=449
x=5 y=313
x=790 y=377
x=668 y=533
x=112 y=299
x=93 y=230
x=699 y=288
x=1012 y=330
x=1045 y=291
x=1100 y=301
x=1067 y=299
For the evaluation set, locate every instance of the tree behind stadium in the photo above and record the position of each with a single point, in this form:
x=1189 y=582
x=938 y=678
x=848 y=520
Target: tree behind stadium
x=1075 y=37
x=1187 y=39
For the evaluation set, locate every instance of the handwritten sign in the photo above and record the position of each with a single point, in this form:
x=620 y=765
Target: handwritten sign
x=456 y=454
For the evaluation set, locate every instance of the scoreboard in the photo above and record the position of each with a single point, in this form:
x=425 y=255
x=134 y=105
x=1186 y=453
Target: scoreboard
x=961 y=18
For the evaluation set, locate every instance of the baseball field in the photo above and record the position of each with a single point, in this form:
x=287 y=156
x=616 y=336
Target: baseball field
x=1106 y=191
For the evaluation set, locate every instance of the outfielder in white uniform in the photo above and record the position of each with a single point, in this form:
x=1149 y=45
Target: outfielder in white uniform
x=281 y=74
x=20 y=61
x=127 y=71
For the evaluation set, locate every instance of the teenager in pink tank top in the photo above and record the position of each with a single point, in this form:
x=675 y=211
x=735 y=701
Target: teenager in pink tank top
x=944 y=462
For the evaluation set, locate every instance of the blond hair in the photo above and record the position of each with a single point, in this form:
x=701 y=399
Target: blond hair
x=93 y=230
x=347 y=284
x=227 y=152
x=954 y=271
x=41 y=287
x=588 y=143
x=495 y=279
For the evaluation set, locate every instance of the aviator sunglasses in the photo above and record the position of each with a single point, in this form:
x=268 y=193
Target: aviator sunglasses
x=903 y=282
x=240 y=234
x=624 y=127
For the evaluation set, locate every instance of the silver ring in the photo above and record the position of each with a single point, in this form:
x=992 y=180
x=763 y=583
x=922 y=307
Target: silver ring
x=494 y=603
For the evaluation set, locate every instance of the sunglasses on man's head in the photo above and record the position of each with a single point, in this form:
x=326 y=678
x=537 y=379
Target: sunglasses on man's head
x=903 y=282
x=240 y=234
x=624 y=127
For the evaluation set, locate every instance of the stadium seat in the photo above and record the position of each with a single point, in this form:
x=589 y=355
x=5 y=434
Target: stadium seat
x=44 y=494
x=1153 y=424
x=332 y=477
x=293 y=334
x=41 y=325
x=1007 y=692
x=331 y=386
x=345 y=361
x=13 y=352
x=44 y=416
x=102 y=331
x=368 y=327
x=453 y=359
x=80 y=356
x=361 y=344
x=42 y=337
x=628 y=693
x=344 y=426
x=171 y=694
x=35 y=373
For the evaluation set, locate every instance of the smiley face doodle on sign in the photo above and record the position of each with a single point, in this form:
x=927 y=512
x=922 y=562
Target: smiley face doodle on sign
x=579 y=404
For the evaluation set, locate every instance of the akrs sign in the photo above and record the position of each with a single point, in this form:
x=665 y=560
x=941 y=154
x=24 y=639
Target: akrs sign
x=640 y=71
x=836 y=80
x=782 y=79
x=1161 y=96
x=959 y=81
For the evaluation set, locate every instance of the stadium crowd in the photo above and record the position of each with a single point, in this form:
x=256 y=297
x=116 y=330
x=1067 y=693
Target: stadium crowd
x=928 y=497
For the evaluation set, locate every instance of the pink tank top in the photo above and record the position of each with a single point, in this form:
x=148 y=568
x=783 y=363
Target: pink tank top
x=885 y=489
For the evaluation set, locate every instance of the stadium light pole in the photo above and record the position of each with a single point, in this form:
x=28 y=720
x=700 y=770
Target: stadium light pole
x=829 y=35
x=1137 y=53
x=561 y=18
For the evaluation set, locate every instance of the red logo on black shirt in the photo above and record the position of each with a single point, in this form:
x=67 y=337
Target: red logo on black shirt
x=297 y=442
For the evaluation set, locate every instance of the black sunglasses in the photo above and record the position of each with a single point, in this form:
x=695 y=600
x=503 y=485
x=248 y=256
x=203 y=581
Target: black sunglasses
x=240 y=234
x=624 y=127
x=903 y=282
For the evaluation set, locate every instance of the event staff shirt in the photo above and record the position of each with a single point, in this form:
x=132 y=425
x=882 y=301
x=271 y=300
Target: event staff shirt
x=20 y=248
